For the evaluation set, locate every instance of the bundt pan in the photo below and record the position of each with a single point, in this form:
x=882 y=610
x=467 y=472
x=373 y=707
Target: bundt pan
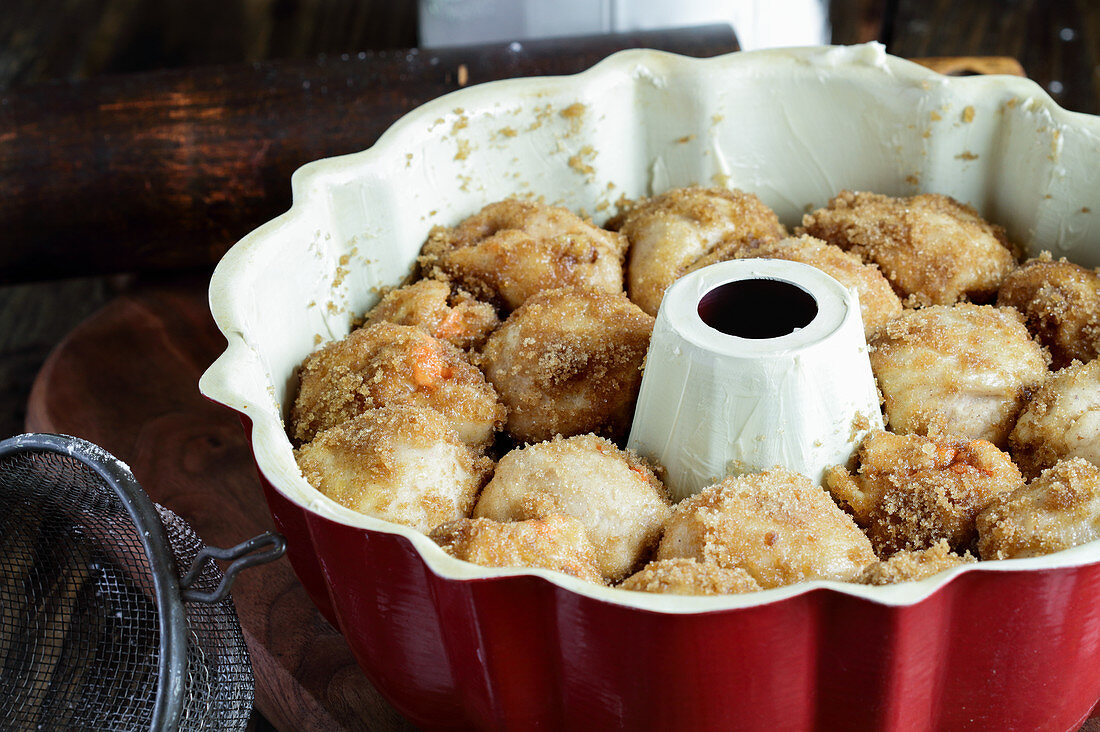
x=998 y=645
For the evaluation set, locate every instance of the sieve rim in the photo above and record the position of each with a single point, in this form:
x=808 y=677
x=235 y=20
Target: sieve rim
x=172 y=660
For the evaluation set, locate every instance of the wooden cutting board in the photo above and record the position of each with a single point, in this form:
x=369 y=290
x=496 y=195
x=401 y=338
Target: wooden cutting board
x=127 y=379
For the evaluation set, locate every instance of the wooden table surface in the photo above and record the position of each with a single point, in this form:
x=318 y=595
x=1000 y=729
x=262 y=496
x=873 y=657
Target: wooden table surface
x=1057 y=42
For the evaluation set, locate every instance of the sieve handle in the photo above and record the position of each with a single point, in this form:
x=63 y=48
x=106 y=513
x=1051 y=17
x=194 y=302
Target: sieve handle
x=266 y=547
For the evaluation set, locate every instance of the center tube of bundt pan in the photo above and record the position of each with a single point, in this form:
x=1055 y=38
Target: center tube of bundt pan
x=754 y=363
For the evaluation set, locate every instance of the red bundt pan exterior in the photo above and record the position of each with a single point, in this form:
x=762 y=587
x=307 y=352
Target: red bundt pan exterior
x=1005 y=650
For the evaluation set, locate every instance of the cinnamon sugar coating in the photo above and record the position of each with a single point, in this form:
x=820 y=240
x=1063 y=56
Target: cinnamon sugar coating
x=912 y=491
x=933 y=249
x=512 y=249
x=386 y=364
x=682 y=576
x=555 y=542
x=1058 y=510
x=569 y=362
x=670 y=231
x=776 y=525
x=400 y=463
x=1061 y=302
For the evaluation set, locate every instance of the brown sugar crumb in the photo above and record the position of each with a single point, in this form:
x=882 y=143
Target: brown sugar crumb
x=690 y=577
x=911 y=491
x=567 y=362
x=386 y=364
x=513 y=249
x=777 y=525
x=574 y=113
x=578 y=162
x=1058 y=510
x=914 y=565
x=930 y=246
x=1061 y=302
x=968 y=114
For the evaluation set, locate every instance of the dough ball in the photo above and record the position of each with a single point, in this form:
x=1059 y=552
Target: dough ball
x=555 y=542
x=1061 y=302
x=569 y=362
x=431 y=305
x=670 y=231
x=961 y=369
x=512 y=249
x=776 y=525
x=933 y=249
x=1058 y=510
x=402 y=463
x=1061 y=420
x=912 y=491
x=914 y=565
x=386 y=364
x=612 y=492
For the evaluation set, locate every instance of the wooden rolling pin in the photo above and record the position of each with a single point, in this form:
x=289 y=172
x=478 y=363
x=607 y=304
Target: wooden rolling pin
x=166 y=170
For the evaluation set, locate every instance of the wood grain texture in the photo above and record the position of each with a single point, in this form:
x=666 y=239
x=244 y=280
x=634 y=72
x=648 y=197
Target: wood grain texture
x=856 y=21
x=166 y=170
x=1058 y=43
x=126 y=379
x=972 y=65
x=75 y=39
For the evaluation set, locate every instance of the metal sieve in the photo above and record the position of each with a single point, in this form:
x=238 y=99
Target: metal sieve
x=98 y=630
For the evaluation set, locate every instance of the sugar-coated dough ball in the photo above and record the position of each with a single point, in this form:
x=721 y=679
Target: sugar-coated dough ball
x=670 y=231
x=960 y=369
x=612 y=492
x=403 y=464
x=912 y=491
x=878 y=303
x=776 y=525
x=914 y=565
x=1061 y=420
x=569 y=362
x=933 y=249
x=386 y=364
x=1057 y=510
x=1061 y=302
x=555 y=542
x=512 y=249
x=683 y=576
x=431 y=305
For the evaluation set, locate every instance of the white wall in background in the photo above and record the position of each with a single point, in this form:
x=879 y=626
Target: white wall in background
x=758 y=23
